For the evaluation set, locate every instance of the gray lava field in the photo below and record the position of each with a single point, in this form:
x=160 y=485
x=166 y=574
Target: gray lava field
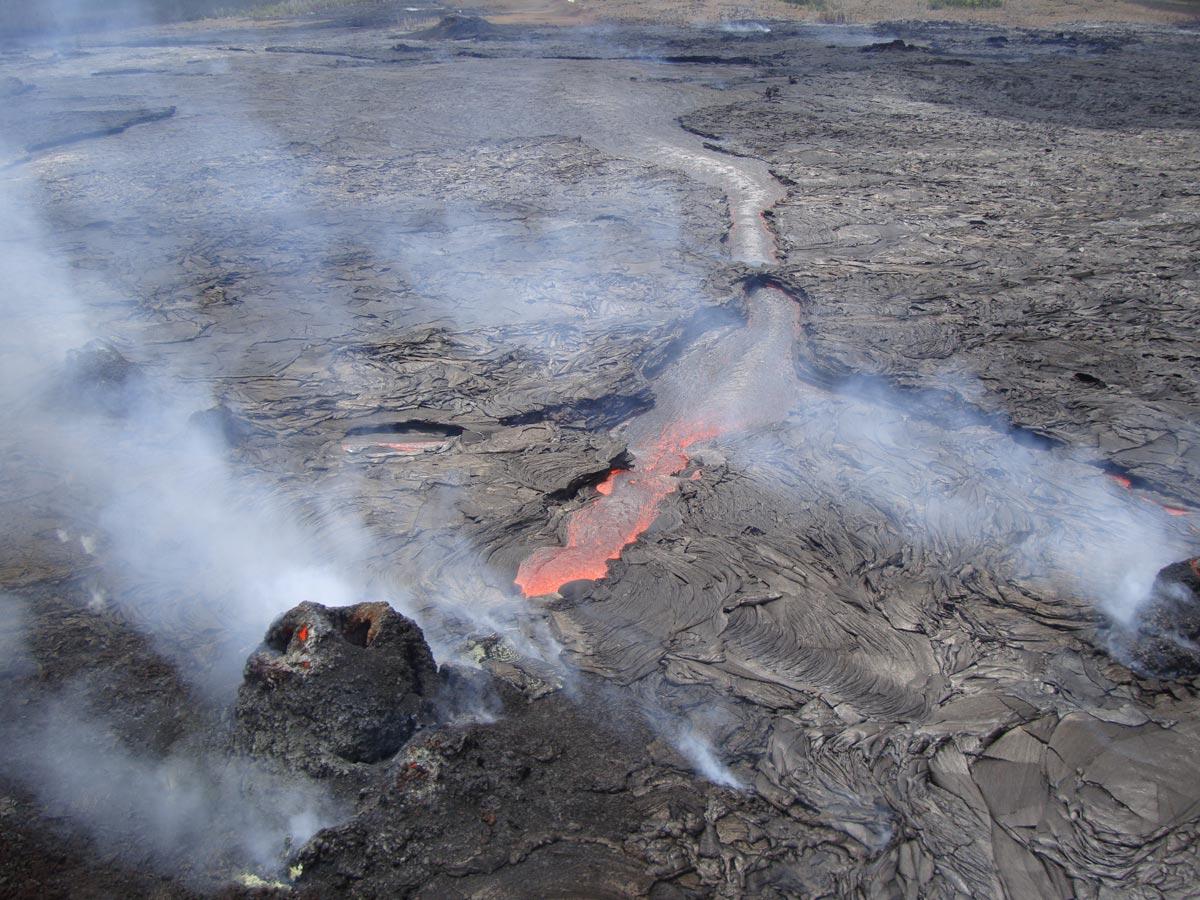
x=495 y=461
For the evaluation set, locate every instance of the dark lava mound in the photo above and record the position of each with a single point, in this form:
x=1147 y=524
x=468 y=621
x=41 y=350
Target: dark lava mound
x=459 y=28
x=97 y=377
x=336 y=686
x=1166 y=641
x=896 y=46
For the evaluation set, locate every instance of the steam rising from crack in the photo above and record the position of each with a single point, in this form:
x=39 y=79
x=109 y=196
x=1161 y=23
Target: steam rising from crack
x=698 y=750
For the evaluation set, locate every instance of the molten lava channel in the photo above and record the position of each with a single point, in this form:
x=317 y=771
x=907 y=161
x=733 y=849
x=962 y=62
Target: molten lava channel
x=627 y=506
x=740 y=386
x=735 y=394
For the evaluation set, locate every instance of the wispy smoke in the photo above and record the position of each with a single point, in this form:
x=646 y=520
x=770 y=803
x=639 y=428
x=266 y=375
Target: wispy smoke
x=698 y=750
x=15 y=659
x=966 y=490
x=66 y=19
x=745 y=27
x=192 y=548
x=190 y=812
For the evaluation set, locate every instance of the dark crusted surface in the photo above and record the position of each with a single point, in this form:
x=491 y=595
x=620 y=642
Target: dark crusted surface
x=1165 y=640
x=335 y=686
x=990 y=242
x=881 y=610
x=562 y=797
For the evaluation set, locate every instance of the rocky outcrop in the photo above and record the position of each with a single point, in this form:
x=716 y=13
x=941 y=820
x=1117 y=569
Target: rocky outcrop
x=1166 y=638
x=334 y=687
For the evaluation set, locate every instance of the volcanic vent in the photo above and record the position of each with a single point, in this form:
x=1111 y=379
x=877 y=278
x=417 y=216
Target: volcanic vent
x=335 y=686
x=1165 y=638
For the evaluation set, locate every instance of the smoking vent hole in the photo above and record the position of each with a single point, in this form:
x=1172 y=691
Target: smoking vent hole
x=358 y=632
x=362 y=627
x=279 y=640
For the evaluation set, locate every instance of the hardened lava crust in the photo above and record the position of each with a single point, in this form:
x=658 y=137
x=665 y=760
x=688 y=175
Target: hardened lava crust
x=771 y=429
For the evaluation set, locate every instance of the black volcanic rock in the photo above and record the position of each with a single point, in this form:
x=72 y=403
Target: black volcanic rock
x=896 y=46
x=224 y=424
x=335 y=686
x=1167 y=638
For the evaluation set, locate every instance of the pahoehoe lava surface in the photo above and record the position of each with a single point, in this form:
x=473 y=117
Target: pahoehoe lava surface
x=866 y=383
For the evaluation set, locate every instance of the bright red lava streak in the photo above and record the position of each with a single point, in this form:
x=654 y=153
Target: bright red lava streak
x=627 y=506
x=606 y=486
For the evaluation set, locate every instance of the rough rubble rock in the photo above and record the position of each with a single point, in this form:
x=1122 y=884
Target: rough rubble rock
x=568 y=796
x=223 y=424
x=1166 y=638
x=896 y=46
x=336 y=686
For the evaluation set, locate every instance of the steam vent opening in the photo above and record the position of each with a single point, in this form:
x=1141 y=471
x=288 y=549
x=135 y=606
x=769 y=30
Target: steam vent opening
x=362 y=626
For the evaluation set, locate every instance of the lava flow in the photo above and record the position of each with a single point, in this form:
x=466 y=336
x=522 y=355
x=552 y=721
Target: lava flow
x=606 y=486
x=740 y=387
x=627 y=506
x=1127 y=483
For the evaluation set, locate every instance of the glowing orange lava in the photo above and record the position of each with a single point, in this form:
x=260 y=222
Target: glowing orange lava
x=597 y=533
x=1127 y=483
x=726 y=389
x=606 y=486
x=302 y=634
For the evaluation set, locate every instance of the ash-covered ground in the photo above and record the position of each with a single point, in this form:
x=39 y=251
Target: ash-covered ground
x=871 y=355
